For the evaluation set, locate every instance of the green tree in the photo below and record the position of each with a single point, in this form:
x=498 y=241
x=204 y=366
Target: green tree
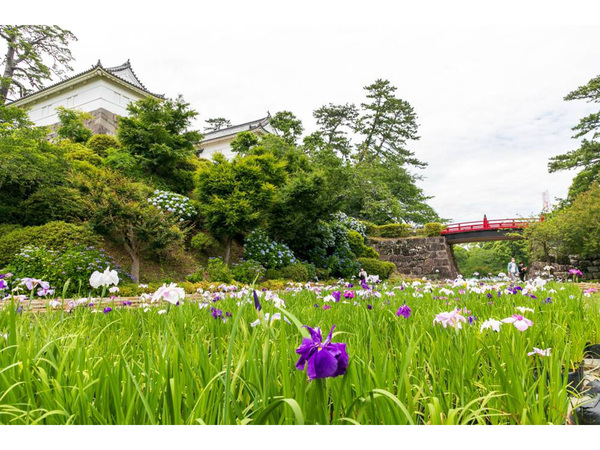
x=587 y=157
x=573 y=230
x=386 y=125
x=287 y=126
x=336 y=122
x=236 y=196
x=157 y=133
x=243 y=142
x=27 y=48
x=72 y=126
x=28 y=162
x=119 y=209
x=216 y=124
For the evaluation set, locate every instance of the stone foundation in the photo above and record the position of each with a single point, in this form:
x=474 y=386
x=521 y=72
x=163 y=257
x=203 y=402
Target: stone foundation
x=590 y=268
x=418 y=256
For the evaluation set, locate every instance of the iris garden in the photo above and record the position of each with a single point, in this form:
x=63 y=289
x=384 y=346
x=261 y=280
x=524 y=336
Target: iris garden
x=410 y=352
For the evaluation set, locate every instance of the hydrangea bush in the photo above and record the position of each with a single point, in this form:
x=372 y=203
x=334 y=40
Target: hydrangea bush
x=351 y=223
x=258 y=246
x=334 y=252
x=176 y=204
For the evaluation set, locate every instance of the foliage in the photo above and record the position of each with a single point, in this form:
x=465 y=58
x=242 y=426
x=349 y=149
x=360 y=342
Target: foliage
x=574 y=230
x=52 y=235
x=332 y=250
x=218 y=270
x=248 y=271
x=372 y=266
x=203 y=242
x=71 y=125
x=27 y=48
x=258 y=246
x=29 y=161
x=287 y=126
x=296 y=272
x=489 y=257
x=177 y=205
x=79 y=152
x=235 y=195
x=58 y=266
x=391 y=230
x=217 y=123
x=156 y=132
x=120 y=209
x=587 y=156
x=243 y=142
x=53 y=203
x=433 y=229
x=100 y=143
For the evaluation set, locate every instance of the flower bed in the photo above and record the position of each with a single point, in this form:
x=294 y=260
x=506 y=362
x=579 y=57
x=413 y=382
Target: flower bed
x=462 y=352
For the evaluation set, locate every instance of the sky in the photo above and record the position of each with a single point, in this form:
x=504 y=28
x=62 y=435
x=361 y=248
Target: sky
x=487 y=83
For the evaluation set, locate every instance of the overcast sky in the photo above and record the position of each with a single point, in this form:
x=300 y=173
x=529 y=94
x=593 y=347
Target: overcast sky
x=487 y=84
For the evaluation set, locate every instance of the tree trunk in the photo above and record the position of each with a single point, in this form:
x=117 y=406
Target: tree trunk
x=9 y=70
x=227 y=250
x=131 y=250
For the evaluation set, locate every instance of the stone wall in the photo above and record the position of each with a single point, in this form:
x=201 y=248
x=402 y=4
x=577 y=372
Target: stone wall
x=589 y=267
x=418 y=256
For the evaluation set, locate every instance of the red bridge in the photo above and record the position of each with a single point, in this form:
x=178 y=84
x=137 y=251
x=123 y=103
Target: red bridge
x=486 y=230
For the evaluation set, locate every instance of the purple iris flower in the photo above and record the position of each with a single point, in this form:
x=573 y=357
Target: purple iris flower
x=316 y=305
x=404 y=311
x=369 y=306
x=337 y=295
x=126 y=303
x=3 y=285
x=489 y=295
x=324 y=359
x=326 y=307
x=107 y=310
x=472 y=319
x=548 y=300
x=349 y=285
x=349 y=294
x=256 y=302
x=216 y=313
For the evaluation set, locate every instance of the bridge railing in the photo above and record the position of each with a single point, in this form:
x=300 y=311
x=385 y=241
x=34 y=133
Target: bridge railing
x=485 y=224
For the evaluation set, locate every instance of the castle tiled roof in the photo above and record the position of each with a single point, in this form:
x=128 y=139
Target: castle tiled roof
x=235 y=129
x=123 y=72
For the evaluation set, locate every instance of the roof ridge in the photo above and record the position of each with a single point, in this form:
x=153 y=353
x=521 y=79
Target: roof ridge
x=258 y=121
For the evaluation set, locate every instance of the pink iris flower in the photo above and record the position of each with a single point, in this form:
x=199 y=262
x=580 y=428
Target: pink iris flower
x=450 y=318
x=521 y=323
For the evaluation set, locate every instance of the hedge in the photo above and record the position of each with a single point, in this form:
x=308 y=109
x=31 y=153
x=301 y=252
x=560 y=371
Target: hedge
x=433 y=229
x=377 y=267
x=391 y=230
x=52 y=235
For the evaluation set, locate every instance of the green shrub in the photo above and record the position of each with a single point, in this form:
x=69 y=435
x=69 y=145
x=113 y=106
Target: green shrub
x=51 y=203
x=369 y=252
x=100 y=143
x=196 y=277
x=248 y=271
x=273 y=274
x=377 y=267
x=356 y=242
x=78 y=152
x=295 y=272
x=6 y=228
x=58 y=266
x=52 y=235
x=219 y=271
x=322 y=273
x=391 y=230
x=203 y=242
x=433 y=229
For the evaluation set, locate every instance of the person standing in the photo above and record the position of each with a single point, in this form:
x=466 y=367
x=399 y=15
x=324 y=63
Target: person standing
x=513 y=269
x=362 y=275
x=522 y=271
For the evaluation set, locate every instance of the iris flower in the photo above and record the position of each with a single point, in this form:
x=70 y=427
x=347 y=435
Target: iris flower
x=105 y=278
x=170 y=293
x=491 y=323
x=538 y=351
x=404 y=311
x=323 y=359
x=520 y=322
x=450 y=318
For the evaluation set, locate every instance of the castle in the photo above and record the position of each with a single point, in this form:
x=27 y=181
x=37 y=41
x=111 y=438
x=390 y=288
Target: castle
x=105 y=92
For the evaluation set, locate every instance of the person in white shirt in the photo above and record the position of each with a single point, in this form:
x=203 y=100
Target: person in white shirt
x=513 y=269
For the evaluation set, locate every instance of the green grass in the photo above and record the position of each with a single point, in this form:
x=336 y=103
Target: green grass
x=185 y=367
